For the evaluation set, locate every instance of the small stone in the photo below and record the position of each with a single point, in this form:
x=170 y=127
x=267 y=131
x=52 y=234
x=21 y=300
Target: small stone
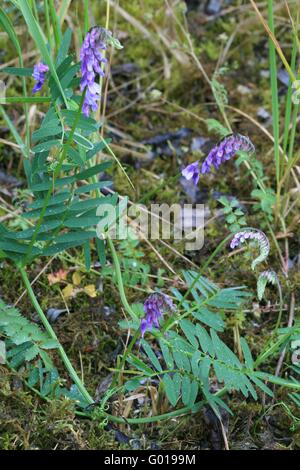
x=213 y=7
x=54 y=313
x=243 y=90
x=108 y=311
x=264 y=73
x=263 y=114
x=135 y=444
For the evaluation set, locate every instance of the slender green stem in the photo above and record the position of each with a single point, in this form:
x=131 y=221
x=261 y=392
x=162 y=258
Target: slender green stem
x=280 y=306
x=27 y=126
x=25 y=99
x=152 y=419
x=288 y=107
x=109 y=240
x=126 y=352
x=278 y=381
x=293 y=131
x=119 y=278
x=275 y=42
x=47 y=17
x=104 y=54
x=117 y=160
x=274 y=90
x=52 y=334
x=182 y=411
x=35 y=11
x=55 y=24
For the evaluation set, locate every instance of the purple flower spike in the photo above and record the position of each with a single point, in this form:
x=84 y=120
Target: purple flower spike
x=154 y=307
x=241 y=237
x=91 y=61
x=257 y=236
x=225 y=150
x=192 y=172
x=39 y=72
x=264 y=278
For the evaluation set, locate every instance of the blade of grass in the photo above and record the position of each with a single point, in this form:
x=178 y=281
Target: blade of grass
x=55 y=25
x=293 y=131
x=118 y=161
x=48 y=29
x=14 y=132
x=63 y=10
x=19 y=141
x=25 y=99
x=295 y=27
x=293 y=65
x=274 y=91
x=39 y=39
x=34 y=9
x=275 y=42
x=9 y=29
x=288 y=107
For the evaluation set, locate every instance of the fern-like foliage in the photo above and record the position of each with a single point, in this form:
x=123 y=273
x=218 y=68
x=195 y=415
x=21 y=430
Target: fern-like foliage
x=234 y=215
x=20 y=330
x=266 y=199
x=27 y=349
x=62 y=176
x=295 y=377
x=259 y=238
x=213 y=125
x=264 y=278
x=219 y=90
x=294 y=349
x=193 y=352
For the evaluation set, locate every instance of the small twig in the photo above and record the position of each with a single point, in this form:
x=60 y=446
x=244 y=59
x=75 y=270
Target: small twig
x=224 y=435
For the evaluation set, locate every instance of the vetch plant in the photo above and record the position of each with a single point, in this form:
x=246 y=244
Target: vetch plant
x=225 y=150
x=265 y=277
x=234 y=215
x=154 y=307
x=186 y=351
x=220 y=153
x=91 y=65
x=192 y=172
x=252 y=235
x=182 y=350
x=63 y=212
x=39 y=74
